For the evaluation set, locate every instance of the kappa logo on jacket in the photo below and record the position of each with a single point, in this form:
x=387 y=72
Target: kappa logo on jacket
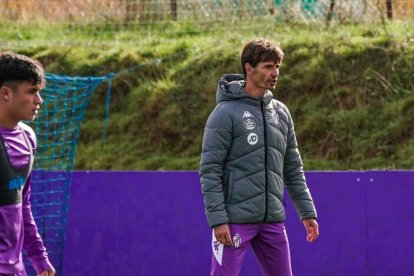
x=247 y=114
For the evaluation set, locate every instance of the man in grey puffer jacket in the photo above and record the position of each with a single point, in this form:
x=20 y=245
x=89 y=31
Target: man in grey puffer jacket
x=249 y=155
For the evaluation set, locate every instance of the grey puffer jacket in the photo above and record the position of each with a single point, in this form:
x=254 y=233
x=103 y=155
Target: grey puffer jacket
x=249 y=154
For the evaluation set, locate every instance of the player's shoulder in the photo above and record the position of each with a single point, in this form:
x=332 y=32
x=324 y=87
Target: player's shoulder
x=280 y=105
x=29 y=131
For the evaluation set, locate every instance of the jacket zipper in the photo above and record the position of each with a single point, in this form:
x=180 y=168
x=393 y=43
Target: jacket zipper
x=265 y=160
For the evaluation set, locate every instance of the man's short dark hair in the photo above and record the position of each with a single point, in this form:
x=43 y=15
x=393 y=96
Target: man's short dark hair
x=260 y=50
x=16 y=68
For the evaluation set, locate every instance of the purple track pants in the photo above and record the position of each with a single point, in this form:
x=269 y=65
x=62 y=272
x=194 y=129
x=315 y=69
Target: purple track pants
x=270 y=245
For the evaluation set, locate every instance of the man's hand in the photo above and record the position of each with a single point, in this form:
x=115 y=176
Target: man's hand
x=50 y=272
x=222 y=234
x=312 y=229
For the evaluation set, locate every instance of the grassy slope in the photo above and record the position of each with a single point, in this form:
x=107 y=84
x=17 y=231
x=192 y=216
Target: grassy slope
x=349 y=88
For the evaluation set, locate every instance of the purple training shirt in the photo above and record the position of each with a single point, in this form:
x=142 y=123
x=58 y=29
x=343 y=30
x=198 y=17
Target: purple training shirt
x=17 y=227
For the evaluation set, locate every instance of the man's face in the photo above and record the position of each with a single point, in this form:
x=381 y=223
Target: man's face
x=264 y=75
x=25 y=101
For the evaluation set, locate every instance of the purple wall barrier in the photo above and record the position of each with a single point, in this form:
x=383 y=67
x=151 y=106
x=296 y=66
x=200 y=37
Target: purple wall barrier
x=153 y=223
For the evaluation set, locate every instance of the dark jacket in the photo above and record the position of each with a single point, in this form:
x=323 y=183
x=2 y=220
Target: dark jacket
x=249 y=154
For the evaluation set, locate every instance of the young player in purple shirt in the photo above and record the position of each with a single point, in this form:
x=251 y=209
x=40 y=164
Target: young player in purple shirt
x=21 y=80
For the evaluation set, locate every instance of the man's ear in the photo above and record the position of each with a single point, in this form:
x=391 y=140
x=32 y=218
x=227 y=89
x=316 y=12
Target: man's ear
x=248 y=68
x=5 y=92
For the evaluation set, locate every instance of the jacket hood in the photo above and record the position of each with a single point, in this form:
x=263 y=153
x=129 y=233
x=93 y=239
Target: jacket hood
x=232 y=87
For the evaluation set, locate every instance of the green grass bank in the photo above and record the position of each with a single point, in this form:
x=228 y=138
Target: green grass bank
x=350 y=89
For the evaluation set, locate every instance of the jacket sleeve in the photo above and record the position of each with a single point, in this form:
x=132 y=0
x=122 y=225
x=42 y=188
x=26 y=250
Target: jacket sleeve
x=216 y=143
x=294 y=176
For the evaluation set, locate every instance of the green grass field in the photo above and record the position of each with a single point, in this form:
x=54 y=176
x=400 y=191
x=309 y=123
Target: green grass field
x=350 y=88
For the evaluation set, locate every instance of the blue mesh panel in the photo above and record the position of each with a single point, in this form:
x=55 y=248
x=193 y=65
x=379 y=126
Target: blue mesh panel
x=57 y=129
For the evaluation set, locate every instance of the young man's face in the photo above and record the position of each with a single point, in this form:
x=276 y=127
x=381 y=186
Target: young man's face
x=264 y=75
x=25 y=101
